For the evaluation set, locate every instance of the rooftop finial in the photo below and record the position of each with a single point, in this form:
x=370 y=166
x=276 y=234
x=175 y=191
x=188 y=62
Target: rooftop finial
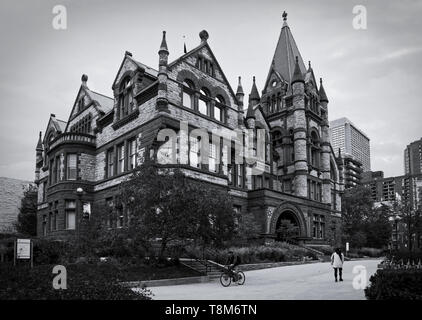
x=84 y=79
x=204 y=35
x=284 y=16
x=253 y=79
x=184 y=45
x=309 y=64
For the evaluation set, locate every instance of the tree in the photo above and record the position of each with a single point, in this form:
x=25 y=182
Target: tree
x=27 y=217
x=378 y=227
x=166 y=205
x=362 y=223
x=287 y=230
x=247 y=227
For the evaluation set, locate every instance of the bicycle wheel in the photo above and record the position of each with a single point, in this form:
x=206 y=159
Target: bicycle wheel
x=225 y=279
x=240 y=278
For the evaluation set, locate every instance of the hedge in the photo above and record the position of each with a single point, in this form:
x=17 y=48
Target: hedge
x=83 y=282
x=398 y=284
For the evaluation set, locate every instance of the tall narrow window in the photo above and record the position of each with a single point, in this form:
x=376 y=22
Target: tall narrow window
x=44 y=225
x=126 y=104
x=213 y=167
x=132 y=154
x=194 y=152
x=57 y=174
x=110 y=207
x=120 y=158
x=71 y=170
x=187 y=96
x=219 y=109
x=56 y=215
x=240 y=175
x=203 y=102
x=70 y=213
x=110 y=163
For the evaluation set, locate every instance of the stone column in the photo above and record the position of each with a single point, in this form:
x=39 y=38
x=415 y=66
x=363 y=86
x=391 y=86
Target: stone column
x=299 y=137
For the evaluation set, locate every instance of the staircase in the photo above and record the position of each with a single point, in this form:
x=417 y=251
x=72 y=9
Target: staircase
x=206 y=267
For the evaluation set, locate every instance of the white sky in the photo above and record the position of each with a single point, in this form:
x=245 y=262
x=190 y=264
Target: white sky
x=370 y=76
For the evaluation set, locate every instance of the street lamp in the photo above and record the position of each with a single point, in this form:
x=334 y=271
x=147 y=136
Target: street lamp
x=396 y=219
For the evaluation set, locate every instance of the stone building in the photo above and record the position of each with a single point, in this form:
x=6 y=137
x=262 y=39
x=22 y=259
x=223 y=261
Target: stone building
x=81 y=162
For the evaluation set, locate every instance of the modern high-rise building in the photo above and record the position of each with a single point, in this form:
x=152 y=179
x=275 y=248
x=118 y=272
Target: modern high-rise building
x=413 y=158
x=350 y=140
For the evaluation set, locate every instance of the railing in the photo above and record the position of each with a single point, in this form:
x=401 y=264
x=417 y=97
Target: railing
x=394 y=264
x=73 y=137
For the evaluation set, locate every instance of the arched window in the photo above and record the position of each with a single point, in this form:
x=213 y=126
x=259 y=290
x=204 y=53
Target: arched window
x=219 y=108
x=204 y=101
x=290 y=150
x=188 y=96
x=126 y=103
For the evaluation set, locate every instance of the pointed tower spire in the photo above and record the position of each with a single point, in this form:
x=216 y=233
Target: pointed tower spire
x=253 y=100
x=39 y=144
x=163 y=46
x=322 y=94
x=239 y=87
x=297 y=73
x=184 y=45
x=163 y=53
x=254 y=95
x=283 y=61
x=309 y=66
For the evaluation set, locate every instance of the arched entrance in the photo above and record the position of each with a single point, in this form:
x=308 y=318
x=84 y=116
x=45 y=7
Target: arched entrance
x=287 y=226
x=290 y=214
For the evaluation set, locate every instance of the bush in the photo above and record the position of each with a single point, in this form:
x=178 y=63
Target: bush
x=405 y=255
x=395 y=285
x=275 y=252
x=371 y=252
x=83 y=282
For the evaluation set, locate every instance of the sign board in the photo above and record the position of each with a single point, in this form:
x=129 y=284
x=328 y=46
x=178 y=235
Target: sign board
x=23 y=249
x=347 y=246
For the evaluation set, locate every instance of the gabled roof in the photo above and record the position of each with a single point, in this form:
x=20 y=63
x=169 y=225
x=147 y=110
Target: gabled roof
x=105 y=103
x=285 y=54
x=194 y=50
x=128 y=56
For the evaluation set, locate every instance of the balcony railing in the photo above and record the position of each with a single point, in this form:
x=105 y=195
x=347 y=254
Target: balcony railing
x=73 y=137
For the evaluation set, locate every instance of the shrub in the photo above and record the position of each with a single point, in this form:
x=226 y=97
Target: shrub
x=83 y=282
x=405 y=255
x=371 y=252
x=395 y=285
x=275 y=252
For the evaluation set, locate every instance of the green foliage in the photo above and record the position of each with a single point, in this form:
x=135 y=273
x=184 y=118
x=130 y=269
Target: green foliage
x=362 y=224
x=287 y=230
x=395 y=285
x=275 y=252
x=166 y=204
x=83 y=282
x=27 y=217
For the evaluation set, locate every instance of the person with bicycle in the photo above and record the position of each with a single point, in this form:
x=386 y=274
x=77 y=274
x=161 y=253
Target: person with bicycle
x=232 y=262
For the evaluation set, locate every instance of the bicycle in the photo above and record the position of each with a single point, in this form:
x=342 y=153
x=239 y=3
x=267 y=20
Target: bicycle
x=228 y=276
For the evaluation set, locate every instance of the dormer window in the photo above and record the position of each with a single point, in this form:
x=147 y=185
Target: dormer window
x=126 y=104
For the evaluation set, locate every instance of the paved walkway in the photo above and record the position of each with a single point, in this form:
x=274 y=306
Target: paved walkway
x=299 y=282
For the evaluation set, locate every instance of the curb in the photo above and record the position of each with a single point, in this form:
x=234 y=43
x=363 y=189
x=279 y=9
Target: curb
x=166 y=282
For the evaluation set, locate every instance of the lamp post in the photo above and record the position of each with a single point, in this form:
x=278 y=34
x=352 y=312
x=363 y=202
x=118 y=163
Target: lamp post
x=396 y=220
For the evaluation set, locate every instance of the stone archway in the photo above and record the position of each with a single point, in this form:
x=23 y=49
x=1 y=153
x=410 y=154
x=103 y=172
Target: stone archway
x=291 y=213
